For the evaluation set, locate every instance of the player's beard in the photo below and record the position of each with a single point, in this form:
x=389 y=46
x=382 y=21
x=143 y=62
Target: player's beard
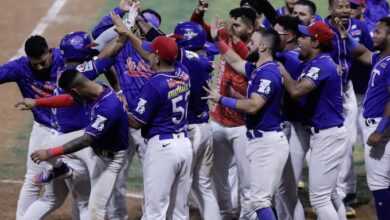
x=253 y=56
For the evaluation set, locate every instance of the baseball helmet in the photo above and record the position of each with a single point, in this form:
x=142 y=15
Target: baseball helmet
x=76 y=46
x=190 y=35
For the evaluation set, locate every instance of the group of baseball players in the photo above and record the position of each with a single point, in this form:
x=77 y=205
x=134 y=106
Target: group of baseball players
x=284 y=93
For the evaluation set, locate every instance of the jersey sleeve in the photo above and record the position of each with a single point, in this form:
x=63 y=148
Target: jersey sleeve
x=315 y=75
x=101 y=121
x=267 y=86
x=9 y=72
x=249 y=68
x=105 y=23
x=147 y=104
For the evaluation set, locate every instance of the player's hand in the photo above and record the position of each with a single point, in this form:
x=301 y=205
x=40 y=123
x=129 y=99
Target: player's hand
x=120 y=28
x=214 y=27
x=374 y=139
x=26 y=104
x=213 y=92
x=202 y=6
x=39 y=156
x=125 y=5
x=341 y=28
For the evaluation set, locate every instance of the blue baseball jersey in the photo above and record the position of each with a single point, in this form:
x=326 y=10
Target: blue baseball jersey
x=377 y=94
x=292 y=109
x=108 y=122
x=199 y=69
x=266 y=81
x=280 y=12
x=324 y=105
x=133 y=72
x=32 y=85
x=163 y=103
x=340 y=53
x=74 y=118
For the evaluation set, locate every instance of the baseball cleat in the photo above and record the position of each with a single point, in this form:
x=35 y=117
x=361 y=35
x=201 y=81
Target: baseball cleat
x=350 y=212
x=301 y=185
x=47 y=176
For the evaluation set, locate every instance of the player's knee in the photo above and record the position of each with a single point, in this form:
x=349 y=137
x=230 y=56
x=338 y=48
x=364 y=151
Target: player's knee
x=318 y=200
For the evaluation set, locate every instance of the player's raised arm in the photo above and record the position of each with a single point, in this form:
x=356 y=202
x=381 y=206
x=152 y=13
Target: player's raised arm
x=231 y=57
x=294 y=88
x=358 y=50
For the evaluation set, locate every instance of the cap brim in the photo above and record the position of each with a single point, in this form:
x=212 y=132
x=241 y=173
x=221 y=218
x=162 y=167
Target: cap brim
x=146 y=45
x=356 y=3
x=303 y=30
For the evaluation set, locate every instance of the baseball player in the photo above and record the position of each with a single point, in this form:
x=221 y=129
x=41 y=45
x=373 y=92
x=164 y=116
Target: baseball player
x=161 y=113
x=341 y=9
x=227 y=125
x=107 y=134
x=323 y=108
x=67 y=124
x=267 y=145
x=375 y=116
x=36 y=76
x=287 y=202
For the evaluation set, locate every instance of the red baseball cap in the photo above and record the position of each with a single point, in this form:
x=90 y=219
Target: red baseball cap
x=164 y=47
x=319 y=31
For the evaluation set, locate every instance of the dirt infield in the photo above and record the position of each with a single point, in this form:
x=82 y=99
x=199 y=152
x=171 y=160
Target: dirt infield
x=17 y=20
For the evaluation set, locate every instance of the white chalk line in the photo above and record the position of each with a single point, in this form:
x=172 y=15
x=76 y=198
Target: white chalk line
x=43 y=23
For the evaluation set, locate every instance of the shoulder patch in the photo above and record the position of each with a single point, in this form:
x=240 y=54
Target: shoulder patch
x=98 y=124
x=86 y=66
x=265 y=86
x=313 y=72
x=141 y=106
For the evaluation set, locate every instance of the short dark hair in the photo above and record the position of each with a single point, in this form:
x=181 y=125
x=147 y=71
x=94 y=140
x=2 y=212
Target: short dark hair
x=248 y=15
x=386 y=21
x=68 y=78
x=288 y=23
x=312 y=6
x=36 y=46
x=272 y=37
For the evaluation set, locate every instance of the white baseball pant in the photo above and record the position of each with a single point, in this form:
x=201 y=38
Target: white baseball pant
x=327 y=148
x=377 y=159
x=167 y=177
x=287 y=203
x=29 y=192
x=229 y=142
x=201 y=190
x=267 y=155
x=78 y=185
x=346 y=182
x=233 y=183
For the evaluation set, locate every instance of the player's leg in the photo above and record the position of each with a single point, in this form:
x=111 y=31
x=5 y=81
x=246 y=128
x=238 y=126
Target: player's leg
x=377 y=160
x=101 y=191
x=327 y=150
x=239 y=143
x=161 y=169
x=346 y=183
x=30 y=191
x=222 y=157
x=181 y=187
x=233 y=183
x=201 y=190
x=267 y=156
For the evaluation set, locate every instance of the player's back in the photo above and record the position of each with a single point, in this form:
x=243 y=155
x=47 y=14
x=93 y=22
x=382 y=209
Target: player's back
x=199 y=70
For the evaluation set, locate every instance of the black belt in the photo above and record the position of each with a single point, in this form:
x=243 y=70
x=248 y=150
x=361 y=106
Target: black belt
x=317 y=130
x=255 y=133
x=105 y=153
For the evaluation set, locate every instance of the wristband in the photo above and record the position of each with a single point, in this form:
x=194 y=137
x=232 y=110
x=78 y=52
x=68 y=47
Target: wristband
x=352 y=44
x=383 y=124
x=56 y=151
x=222 y=46
x=228 y=102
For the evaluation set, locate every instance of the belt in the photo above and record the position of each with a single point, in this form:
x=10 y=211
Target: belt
x=314 y=130
x=105 y=153
x=172 y=136
x=256 y=133
x=371 y=121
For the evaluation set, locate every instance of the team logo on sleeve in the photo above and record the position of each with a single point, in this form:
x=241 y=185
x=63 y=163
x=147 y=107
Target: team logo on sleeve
x=98 y=124
x=265 y=86
x=84 y=67
x=141 y=106
x=313 y=73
